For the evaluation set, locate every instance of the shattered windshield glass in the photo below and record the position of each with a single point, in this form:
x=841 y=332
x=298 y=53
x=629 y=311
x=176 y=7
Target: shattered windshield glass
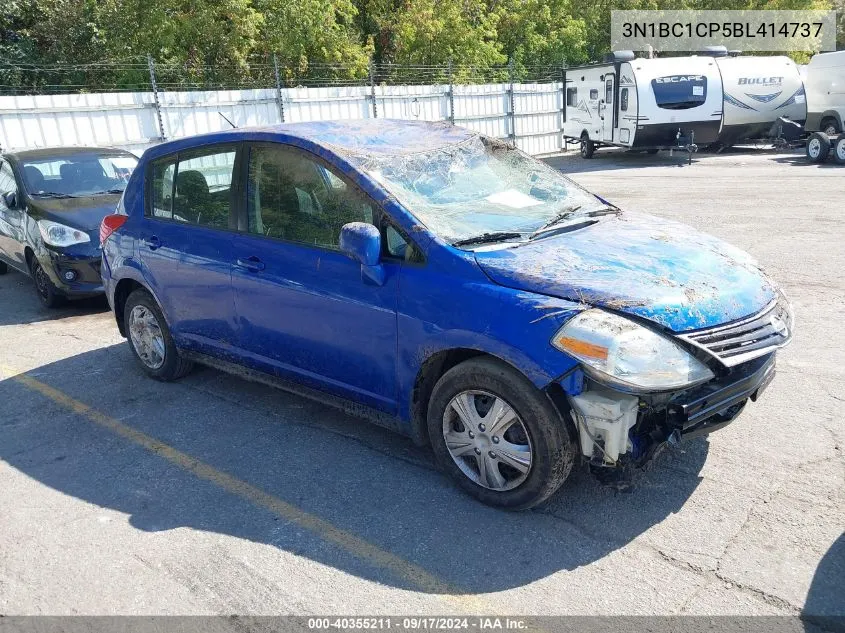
x=478 y=188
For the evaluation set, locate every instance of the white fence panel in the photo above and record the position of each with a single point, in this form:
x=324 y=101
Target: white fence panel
x=130 y=119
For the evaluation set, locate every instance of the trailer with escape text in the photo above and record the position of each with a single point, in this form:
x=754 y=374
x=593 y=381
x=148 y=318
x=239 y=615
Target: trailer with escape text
x=646 y=104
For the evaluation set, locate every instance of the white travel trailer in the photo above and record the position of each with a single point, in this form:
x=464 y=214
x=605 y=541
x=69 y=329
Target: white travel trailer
x=825 y=84
x=758 y=90
x=642 y=103
x=826 y=93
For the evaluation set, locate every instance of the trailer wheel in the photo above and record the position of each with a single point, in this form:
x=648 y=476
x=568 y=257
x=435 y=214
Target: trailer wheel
x=818 y=147
x=588 y=148
x=839 y=150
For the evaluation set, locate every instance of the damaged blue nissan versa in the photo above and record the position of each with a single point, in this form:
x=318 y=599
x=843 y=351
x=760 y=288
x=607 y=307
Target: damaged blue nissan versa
x=447 y=285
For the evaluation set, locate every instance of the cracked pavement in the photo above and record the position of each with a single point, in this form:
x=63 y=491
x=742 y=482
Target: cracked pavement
x=96 y=520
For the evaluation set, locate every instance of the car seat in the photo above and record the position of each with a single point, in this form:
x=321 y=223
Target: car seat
x=34 y=179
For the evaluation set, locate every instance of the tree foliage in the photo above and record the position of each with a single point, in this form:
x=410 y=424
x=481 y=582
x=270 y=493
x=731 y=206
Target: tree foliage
x=208 y=41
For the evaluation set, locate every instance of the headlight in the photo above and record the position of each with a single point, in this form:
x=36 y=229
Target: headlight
x=627 y=354
x=56 y=234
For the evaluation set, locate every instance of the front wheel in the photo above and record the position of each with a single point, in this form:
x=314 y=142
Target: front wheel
x=150 y=339
x=830 y=127
x=47 y=291
x=497 y=436
x=818 y=147
x=838 y=150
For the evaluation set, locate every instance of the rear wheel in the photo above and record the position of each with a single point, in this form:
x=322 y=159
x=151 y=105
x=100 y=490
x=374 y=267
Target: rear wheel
x=47 y=291
x=838 y=150
x=497 y=436
x=818 y=147
x=830 y=127
x=150 y=339
x=588 y=148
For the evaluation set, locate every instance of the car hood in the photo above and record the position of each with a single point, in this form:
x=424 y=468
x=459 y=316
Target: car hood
x=656 y=269
x=84 y=212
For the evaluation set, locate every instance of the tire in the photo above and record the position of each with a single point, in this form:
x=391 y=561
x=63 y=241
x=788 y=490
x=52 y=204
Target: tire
x=830 y=127
x=588 y=148
x=818 y=147
x=47 y=291
x=150 y=340
x=838 y=150
x=4 y=268
x=484 y=383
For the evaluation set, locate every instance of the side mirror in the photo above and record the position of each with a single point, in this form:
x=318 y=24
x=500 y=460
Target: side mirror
x=10 y=199
x=362 y=242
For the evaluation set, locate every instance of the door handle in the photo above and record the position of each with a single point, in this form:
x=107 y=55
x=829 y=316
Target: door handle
x=152 y=242
x=252 y=264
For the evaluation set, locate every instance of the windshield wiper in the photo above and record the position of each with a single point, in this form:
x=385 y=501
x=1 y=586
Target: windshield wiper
x=553 y=224
x=101 y=193
x=488 y=238
x=52 y=194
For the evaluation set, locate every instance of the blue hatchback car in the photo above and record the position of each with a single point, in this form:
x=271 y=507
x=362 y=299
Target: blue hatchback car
x=444 y=284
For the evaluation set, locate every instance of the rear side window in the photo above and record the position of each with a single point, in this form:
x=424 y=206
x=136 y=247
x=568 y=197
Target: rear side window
x=195 y=188
x=679 y=92
x=572 y=96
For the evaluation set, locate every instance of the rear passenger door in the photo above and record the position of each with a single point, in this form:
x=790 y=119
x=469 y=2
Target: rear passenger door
x=304 y=310
x=186 y=243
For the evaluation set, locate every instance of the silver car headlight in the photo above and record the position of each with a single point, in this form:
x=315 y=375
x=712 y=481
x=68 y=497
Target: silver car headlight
x=623 y=353
x=56 y=234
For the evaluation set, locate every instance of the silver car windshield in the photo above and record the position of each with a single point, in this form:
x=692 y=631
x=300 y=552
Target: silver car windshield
x=480 y=186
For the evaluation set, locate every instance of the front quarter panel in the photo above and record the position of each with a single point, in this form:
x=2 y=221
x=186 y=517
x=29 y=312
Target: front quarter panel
x=449 y=304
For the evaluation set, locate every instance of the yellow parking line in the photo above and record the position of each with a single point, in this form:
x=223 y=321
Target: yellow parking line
x=355 y=545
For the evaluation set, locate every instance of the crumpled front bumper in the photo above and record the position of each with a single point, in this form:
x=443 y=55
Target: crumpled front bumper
x=716 y=404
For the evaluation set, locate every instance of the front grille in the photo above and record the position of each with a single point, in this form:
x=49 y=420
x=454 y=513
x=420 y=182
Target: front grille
x=747 y=338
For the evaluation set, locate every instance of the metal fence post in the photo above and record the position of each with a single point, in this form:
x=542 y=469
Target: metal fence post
x=279 y=103
x=154 y=85
x=373 y=89
x=451 y=95
x=563 y=107
x=512 y=133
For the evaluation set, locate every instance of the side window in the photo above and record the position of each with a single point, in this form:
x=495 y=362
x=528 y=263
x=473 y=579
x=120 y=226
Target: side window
x=608 y=91
x=202 y=192
x=572 y=96
x=7 y=178
x=161 y=188
x=292 y=197
x=194 y=188
x=395 y=245
x=623 y=99
x=594 y=94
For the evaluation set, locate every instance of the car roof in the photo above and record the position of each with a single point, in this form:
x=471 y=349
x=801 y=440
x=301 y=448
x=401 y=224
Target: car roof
x=383 y=137
x=49 y=152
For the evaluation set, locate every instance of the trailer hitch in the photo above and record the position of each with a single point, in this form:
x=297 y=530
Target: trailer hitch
x=687 y=143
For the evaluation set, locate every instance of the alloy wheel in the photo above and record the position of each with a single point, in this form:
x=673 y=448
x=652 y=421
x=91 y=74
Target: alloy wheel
x=42 y=282
x=147 y=337
x=487 y=440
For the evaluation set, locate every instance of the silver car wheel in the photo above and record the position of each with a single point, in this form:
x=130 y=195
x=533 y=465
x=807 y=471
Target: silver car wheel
x=146 y=336
x=487 y=440
x=814 y=148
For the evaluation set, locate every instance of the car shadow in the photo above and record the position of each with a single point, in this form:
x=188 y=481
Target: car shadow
x=825 y=603
x=363 y=480
x=29 y=309
x=801 y=160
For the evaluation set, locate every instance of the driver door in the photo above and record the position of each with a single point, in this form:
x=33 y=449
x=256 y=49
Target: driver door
x=304 y=310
